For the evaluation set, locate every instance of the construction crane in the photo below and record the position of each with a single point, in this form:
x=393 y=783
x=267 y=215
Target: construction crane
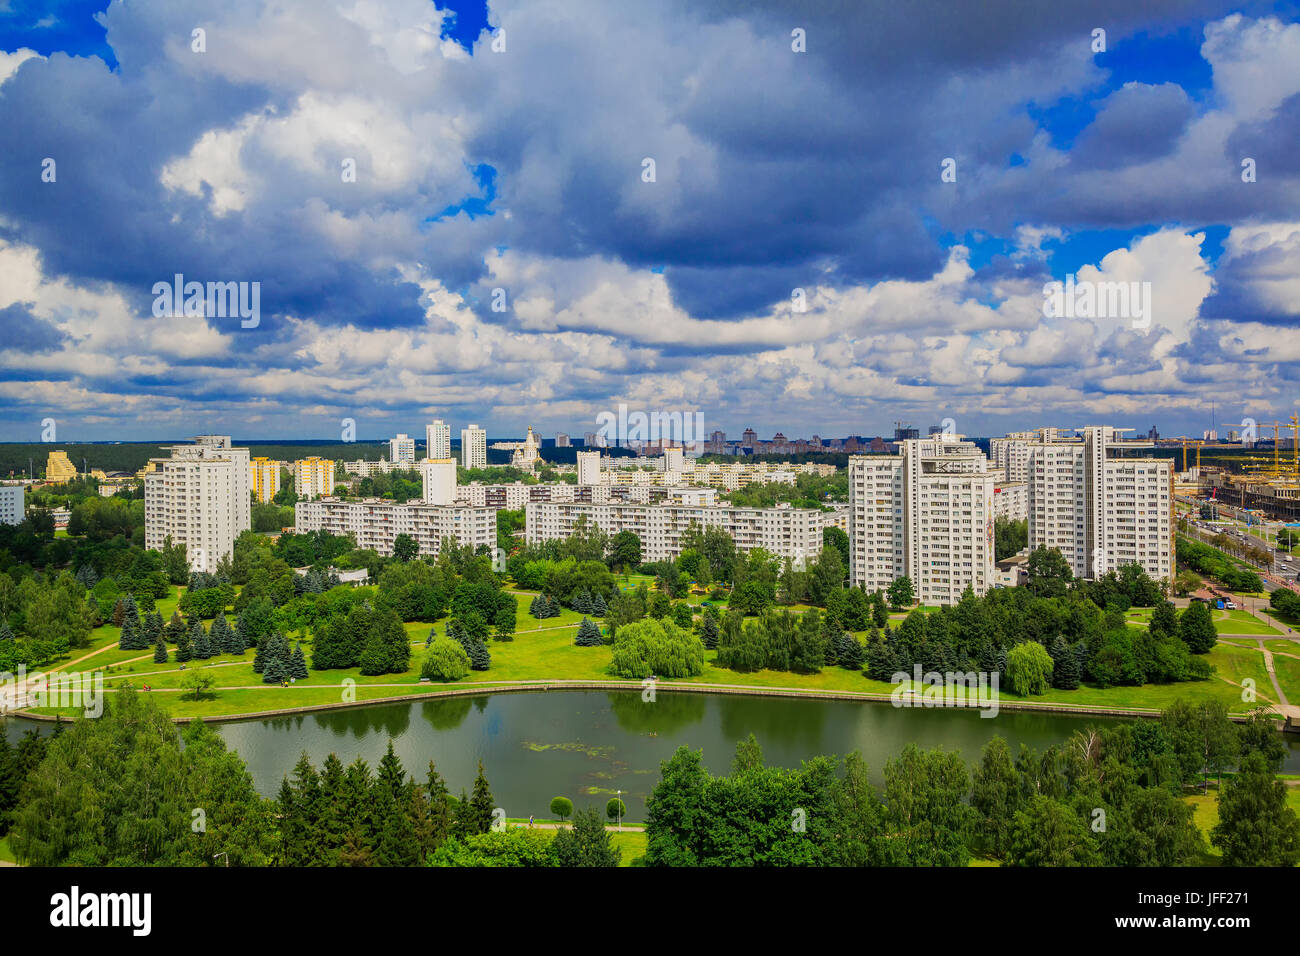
x=1191 y=441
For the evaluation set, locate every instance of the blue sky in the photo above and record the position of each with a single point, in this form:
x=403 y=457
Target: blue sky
x=500 y=256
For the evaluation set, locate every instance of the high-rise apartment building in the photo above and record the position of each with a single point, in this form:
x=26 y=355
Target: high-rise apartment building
x=401 y=451
x=473 y=447
x=1010 y=455
x=588 y=467
x=313 y=477
x=439 y=478
x=199 y=497
x=265 y=476
x=437 y=440
x=1101 y=505
x=925 y=513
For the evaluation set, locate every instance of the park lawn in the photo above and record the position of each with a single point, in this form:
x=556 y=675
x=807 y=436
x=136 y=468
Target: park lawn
x=1241 y=622
x=1235 y=664
x=1205 y=807
x=1287 y=670
x=632 y=843
x=6 y=853
x=1283 y=646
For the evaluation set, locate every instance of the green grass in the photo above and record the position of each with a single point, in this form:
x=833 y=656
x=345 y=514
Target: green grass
x=1240 y=622
x=6 y=853
x=1283 y=646
x=544 y=650
x=1287 y=670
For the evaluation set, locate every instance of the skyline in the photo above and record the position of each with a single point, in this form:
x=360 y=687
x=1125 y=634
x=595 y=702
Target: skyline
x=386 y=180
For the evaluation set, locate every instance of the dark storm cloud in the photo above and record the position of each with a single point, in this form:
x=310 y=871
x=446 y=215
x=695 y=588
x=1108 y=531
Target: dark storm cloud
x=21 y=330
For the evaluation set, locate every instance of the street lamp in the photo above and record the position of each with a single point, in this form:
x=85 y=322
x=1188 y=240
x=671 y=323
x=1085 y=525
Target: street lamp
x=620 y=810
x=222 y=853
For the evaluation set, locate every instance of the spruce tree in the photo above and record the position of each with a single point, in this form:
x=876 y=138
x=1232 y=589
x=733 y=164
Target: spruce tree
x=5 y=633
x=709 y=632
x=275 y=672
x=479 y=658
x=259 y=657
x=588 y=634
x=849 y=651
x=202 y=643
x=184 y=647
x=126 y=641
x=598 y=606
x=1065 y=665
x=160 y=651
x=298 y=664
x=219 y=634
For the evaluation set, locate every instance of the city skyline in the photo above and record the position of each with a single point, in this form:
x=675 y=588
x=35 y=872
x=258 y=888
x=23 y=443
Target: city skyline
x=474 y=214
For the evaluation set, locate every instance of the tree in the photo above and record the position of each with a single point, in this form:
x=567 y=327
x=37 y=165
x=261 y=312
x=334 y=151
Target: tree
x=588 y=634
x=901 y=593
x=615 y=809
x=275 y=672
x=1009 y=537
x=1256 y=827
x=624 y=551
x=1065 y=666
x=926 y=814
x=298 y=664
x=160 y=651
x=1048 y=574
x=198 y=682
x=1048 y=833
x=1029 y=669
x=445 y=660
x=562 y=807
x=481 y=804
x=709 y=631
x=995 y=795
x=586 y=843
x=405 y=548
x=1196 y=628
x=656 y=648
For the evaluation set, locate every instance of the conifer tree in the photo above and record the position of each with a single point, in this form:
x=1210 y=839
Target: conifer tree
x=274 y=672
x=184 y=647
x=220 y=634
x=160 y=651
x=202 y=645
x=709 y=633
x=479 y=658
x=298 y=664
x=127 y=639
x=588 y=634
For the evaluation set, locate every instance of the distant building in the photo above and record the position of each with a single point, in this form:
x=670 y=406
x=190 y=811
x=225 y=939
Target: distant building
x=265 y=475
x=401 y=451
x=437 y=440
x=59 y=468
x=439 y=476
x=313 y=477
x=588 y=467
x=561 y=440
x=473 y=447
x=527 y=454
x=13 y=507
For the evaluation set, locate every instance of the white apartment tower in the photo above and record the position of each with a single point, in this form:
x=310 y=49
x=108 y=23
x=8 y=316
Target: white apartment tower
x=437 y=440
x=473 y=447
x=439 y=478
x=1099 y=507
x=926 y=513
x=199 y=497
x=401 y=451
x=588 y=467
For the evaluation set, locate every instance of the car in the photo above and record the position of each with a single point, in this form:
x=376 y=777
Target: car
x=1229 y=605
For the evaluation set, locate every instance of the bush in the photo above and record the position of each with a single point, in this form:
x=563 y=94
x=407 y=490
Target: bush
x=445 y=660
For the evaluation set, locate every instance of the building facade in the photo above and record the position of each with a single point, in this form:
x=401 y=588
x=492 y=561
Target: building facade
x=786 y=532
x=313 y=477
x=927 y=514
x=1101 y=505
x=58 y=467
x=437 y=440
x=13 y=504
x=375 y=523
x=401 y=451
x=473 y=447
x=264 y=474
x=199 y=497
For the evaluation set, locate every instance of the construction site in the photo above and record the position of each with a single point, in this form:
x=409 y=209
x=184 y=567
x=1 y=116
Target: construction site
x=1253 y=475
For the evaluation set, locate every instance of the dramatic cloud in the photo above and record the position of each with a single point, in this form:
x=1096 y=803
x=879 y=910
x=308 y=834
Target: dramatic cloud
x=662 y=204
